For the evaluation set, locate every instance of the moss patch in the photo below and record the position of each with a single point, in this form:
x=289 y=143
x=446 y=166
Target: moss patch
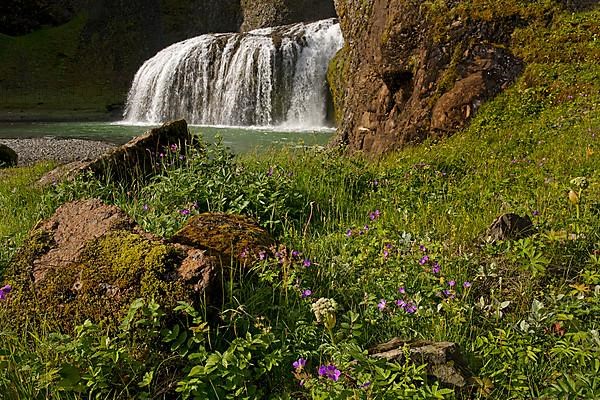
x=113 y=271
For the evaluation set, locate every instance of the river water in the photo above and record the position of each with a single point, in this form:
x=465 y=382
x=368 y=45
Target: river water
x=239 y=139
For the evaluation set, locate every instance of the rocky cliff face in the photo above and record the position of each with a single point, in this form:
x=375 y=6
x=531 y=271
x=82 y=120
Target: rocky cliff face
x=412 y=70
x=265 y=13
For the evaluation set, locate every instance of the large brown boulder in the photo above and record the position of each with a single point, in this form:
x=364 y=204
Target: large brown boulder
x=410 y=71
x=90 y=261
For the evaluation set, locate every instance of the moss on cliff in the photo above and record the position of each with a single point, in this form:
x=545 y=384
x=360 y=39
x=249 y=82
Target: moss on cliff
x=336 y=75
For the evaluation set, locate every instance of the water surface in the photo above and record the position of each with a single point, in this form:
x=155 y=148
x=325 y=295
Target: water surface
x=239 y=139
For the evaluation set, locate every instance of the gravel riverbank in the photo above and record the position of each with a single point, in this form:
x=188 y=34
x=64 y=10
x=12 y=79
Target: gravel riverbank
x=60 y=150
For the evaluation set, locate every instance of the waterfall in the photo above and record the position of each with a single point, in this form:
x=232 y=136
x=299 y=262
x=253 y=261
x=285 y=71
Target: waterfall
x=266 y=77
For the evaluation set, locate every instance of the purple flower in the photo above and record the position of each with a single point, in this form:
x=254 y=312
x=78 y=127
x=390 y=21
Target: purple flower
x=386 y=254
x=244 y=253
x=295 y=253
x=451 y=283
x=436 y=268
x=424 y=260
x=306 y=293
x=262 y=255
x=299 y=363
x=401 y=290
x=145 y=207
x=388 y=246
x=4 y=291
x=173 y=147
x=185 y=211
x=467 y=284
x=330 y=371
x=307 y=263
x=410 y=308
x=366 y=228
x=536 y=213
x=270 y=172
x=349 y=233
x=423 y=248
x=365 y=385
x=400 y=303
x=381 y=304
x=374 y=215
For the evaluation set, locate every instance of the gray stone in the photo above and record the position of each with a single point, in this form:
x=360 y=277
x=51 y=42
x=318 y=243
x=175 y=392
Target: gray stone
x=443 y=359
x=8 y=157
x=509 y=227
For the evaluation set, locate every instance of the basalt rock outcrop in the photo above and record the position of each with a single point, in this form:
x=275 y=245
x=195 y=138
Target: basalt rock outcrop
x=411 y=71
x=90 y=261
x=265 y=13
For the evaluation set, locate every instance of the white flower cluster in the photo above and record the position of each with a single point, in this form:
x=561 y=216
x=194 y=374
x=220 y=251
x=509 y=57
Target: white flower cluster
x=324 y=310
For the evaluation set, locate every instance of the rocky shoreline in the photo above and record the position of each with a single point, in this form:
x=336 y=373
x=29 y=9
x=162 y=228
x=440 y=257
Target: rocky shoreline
x=60 y=150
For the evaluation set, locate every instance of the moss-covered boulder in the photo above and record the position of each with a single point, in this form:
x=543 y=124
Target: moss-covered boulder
x=90 y=261
x=227 y=236
x=8 y=157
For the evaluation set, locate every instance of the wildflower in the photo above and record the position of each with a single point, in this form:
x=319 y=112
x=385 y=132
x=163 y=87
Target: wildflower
x=388 y=246
x=401 y=290
x=400 y=303
x=436 y=268
x=410 y=308
x=4 y=291
x=306 y=293
x=185 y=211
x=324 y=310
x=467 y=284
x=145 y=207
x=536 y=213
x=181 y=157
x=386 y=254
x=173 y=147
x=244 y=253
x=424 y=260
x=451 y=283
x=366 y=228
x=262 y=255
x=330 y=372
x=573 y=197
x=295 y=253
x=307 y=263
x=161 y=155
x=349 y=233
x=381 y=304
x=365 y=385
x=423 y=248
x=374 y=215
x=270 y=172
x=299 y=363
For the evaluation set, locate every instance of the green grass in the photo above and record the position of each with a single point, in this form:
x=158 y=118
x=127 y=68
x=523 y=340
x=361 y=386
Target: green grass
x=21 y=205
x=528 y=324
x=46 y=71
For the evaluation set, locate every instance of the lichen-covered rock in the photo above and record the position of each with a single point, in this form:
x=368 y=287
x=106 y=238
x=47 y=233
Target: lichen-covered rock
x=415 y=70
x=90 y=261
x=267 y=13
x=443 y=360
x=227 y=236
x=8 y=157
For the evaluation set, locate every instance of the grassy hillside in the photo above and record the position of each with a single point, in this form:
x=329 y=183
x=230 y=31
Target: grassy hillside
x=525 y=312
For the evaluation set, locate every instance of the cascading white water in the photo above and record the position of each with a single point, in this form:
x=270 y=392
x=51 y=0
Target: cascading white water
x=271 y=76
